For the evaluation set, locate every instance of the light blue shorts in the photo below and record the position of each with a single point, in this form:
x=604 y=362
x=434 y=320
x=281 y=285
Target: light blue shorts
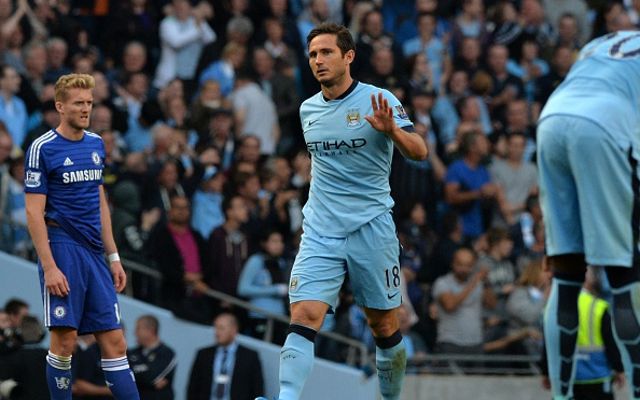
x=370 y=255
x=588 y=192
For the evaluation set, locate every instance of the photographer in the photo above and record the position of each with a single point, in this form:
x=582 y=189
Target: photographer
x=23 y=371
x=10 y=320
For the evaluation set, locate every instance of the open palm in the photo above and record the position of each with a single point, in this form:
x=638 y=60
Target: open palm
x=382 y=119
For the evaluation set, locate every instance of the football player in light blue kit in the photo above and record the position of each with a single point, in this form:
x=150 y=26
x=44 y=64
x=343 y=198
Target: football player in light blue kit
x=588 y=153
x=350 y=129
x=70 y=225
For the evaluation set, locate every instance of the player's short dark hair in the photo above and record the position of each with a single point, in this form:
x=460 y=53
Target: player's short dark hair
x=344 y=40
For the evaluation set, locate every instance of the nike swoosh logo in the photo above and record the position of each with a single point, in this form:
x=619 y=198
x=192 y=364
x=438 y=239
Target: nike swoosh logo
x=313 y=122
x=390 y=297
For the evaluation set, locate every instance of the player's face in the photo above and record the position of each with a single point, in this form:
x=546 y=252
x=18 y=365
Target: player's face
x=328 y=64
x=75 y=111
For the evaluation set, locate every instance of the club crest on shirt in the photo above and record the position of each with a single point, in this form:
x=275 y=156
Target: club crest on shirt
x=401 y=112
x=95 y=157
x=293 y=285
x=353 y=117
x=32 y=179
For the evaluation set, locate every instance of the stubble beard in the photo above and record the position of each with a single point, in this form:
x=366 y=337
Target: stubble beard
x=77 y=125
x=333 y=81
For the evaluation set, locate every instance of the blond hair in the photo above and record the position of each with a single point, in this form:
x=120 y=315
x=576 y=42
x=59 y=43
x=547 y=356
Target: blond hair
x=531 y=274
x=72 y=81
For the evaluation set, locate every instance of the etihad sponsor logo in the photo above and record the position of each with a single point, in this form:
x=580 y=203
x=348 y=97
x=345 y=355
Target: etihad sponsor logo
x=336 y=147
x=83 y=175
x=328 y=145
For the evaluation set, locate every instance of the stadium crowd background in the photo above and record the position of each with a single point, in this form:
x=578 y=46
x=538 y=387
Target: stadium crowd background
x=198 y=108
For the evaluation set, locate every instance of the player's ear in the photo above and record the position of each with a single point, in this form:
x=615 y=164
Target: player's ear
x=349 y=56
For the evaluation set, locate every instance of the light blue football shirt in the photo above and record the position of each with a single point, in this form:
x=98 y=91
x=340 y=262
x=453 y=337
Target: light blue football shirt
x=350 y=161
x=605 y=82
x=70 y=174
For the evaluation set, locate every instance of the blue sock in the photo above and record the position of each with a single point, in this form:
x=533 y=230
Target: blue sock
x=120 y=379
x=561 y=333
x=296 y=361
x=626 y=306
x=391 y=363
x=59 y=377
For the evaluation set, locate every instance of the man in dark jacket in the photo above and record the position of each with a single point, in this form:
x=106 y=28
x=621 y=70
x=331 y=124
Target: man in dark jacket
x=226 y=370
x=152 y=362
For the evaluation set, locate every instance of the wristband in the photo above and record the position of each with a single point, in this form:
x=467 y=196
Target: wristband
x=113 y=257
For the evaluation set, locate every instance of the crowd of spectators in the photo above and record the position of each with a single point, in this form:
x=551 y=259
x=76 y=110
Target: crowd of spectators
x=207 y=170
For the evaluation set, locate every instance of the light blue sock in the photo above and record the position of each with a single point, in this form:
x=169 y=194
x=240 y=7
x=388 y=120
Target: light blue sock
x=296 y=363
x=625 y=309
x=391 y=363
x=120 y=379
x=561 y=333
x=59 y=377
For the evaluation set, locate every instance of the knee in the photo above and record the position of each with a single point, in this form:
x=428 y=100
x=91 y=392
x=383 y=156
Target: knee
x=62 y=342
x=309 y=314
x=113 y=346
x=383 y=327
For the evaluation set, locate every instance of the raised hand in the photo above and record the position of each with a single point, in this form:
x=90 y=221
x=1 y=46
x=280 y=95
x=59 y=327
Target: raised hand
x=382 y=119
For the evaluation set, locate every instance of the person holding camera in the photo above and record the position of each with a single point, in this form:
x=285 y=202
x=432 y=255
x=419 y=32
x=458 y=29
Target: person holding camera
x=23 y=371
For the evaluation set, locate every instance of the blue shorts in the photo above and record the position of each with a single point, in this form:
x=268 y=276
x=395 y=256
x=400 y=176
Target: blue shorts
x=588 y=192
x=370 y=255
x=92 y=303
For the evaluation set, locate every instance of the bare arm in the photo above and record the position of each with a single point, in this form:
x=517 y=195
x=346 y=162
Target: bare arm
x=54 y=280
x=439 y=168
x=119 y=277
x=450 y=302
x=410 y=144
x=12 y=22
x=239 y=117
x=454 y=196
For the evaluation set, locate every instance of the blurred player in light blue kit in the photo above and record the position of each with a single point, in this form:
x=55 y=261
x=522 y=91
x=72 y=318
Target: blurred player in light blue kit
x=70 y=225
x=588 y=153
x=350 y=129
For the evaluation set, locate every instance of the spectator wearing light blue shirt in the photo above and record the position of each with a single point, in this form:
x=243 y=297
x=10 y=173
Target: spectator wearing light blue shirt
x=435 y=49
x=262 y=280
x=13 y=111
x=207 y=203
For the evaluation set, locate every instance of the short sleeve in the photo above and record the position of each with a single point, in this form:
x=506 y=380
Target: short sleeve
x=399 y=113
x=35 y=171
